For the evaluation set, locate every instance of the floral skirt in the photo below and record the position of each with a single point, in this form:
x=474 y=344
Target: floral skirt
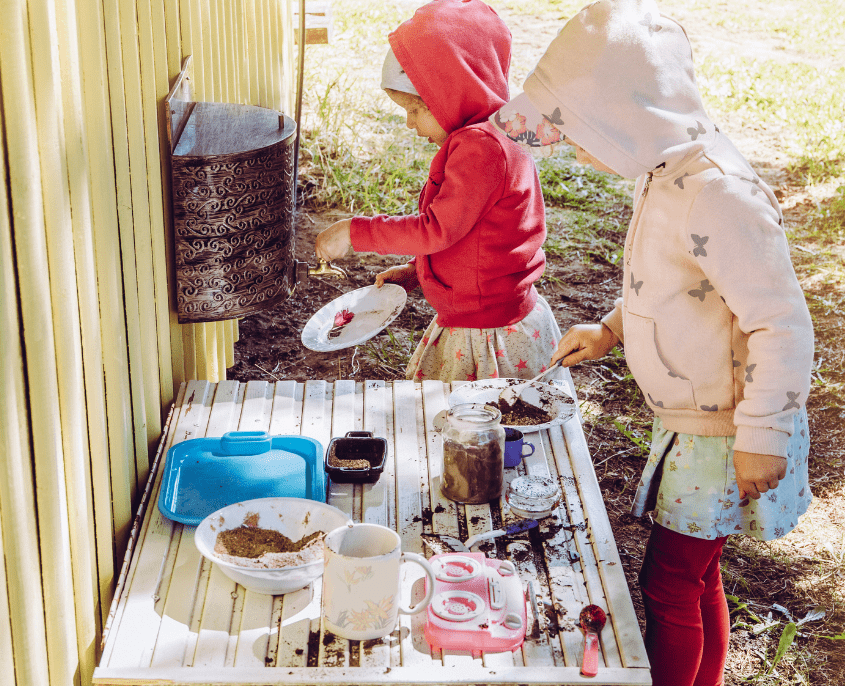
x=691 y=482
x=518 y=351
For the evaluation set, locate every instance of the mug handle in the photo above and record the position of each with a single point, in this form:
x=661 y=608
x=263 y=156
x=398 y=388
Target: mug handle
x=530 y=445
x=429 y=572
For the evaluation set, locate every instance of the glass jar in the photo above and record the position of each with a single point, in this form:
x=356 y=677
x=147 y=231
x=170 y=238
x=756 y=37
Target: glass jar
x=533 y=496
x=473 y=454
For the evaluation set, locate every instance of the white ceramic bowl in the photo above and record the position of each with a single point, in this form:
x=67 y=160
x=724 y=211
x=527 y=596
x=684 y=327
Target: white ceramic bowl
x=293 y=517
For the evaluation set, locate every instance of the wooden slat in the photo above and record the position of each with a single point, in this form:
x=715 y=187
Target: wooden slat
x=106 y=253
x=378 y=506
x=299 y=612
x=88 y=463
x=411 y=479
x=322 y=420
x=30 y=133
x=215 y=631
x=581 y=534
x=140 y=238
x=379 y=499
x=253 y=88
x=7 y=654
x=221 y=350
x=167 y=64
x=25 y=636
x=132 y=640
x=254 y=630
x=217 y=61
x=341 y=495
x=541 y=646
x=563 y=565
x=444 y=518
x=261 y=53
x=275 y=53
x=340 y=676
x=139 y=523
x=183 y=607
x=123 y=472
x=619 y=602
x=287 y=55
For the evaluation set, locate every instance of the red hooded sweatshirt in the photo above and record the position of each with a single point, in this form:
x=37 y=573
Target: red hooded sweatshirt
x=478 y=237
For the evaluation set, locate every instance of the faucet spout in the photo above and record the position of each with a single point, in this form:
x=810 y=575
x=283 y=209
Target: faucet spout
x=325 y=268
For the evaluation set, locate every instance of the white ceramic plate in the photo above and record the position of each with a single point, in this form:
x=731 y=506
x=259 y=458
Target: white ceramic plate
x=551 y=397
x=354 y=317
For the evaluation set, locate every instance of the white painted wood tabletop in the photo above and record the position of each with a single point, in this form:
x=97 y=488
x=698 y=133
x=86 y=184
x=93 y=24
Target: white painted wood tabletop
x=176 y=619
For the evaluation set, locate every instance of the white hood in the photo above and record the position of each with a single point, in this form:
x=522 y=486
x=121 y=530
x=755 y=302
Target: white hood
x=618 y=81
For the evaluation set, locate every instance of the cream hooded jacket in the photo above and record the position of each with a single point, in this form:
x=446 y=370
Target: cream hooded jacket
x=714 y=323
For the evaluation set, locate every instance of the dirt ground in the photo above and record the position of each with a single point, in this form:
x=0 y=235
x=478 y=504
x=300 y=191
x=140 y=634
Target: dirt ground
x=270 y=348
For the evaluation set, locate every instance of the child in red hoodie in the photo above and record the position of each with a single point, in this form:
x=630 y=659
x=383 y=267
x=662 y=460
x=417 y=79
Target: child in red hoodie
x=477 y=240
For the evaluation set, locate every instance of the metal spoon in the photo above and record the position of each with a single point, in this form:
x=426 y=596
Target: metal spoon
x=441 y=543
x=592 y=620
x=511 y=394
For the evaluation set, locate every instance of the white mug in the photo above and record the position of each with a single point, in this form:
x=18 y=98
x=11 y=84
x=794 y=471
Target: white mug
x=361 y=581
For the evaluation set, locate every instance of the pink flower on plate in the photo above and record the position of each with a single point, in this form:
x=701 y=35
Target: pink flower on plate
x=547 y=133
x=343 y=317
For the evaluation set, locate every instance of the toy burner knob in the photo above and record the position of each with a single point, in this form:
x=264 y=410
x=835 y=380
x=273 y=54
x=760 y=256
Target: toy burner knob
x=457 y=606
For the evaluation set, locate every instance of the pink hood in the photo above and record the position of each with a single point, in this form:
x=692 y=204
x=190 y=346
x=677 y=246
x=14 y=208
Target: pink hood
x=461 y=75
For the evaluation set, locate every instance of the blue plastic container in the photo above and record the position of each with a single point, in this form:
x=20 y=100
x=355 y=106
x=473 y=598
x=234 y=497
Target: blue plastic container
x=201 y=475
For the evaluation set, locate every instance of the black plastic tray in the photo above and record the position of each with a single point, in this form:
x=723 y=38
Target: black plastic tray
x=356 y=445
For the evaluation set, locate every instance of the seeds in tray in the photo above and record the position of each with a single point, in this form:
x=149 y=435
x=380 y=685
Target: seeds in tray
x=250 y=546
x=348 y=464
x=347 y=461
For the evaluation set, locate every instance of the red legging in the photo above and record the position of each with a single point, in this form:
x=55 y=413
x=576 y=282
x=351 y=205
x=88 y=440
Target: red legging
x=687 y=621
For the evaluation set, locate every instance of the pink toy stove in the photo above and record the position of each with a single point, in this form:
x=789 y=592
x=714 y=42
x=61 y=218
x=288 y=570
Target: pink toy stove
x=478 y=604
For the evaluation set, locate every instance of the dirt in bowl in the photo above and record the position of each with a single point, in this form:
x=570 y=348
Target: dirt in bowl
x=521 y=413
x=253 y=547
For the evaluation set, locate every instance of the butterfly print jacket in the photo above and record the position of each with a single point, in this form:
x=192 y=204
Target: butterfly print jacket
x=714 y=323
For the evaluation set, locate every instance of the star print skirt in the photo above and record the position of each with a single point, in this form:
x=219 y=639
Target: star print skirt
x=518 y=351
x=691 y=483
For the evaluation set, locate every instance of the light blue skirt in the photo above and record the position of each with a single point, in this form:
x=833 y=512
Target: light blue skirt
x=691 y=484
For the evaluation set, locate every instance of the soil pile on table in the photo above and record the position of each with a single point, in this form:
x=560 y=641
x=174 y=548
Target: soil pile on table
x=249 y=546
x=521 y=413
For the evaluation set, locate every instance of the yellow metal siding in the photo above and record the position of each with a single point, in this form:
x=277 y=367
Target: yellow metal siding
x=90 y=347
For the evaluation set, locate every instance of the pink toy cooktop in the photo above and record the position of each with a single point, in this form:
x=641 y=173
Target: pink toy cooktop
x=478 y=604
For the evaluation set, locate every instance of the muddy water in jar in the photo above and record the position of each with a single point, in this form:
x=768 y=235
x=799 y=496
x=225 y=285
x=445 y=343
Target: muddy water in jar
x=473 y=454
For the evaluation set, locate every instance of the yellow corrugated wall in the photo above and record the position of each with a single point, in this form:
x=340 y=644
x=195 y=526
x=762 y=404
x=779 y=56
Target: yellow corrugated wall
x=90 y=349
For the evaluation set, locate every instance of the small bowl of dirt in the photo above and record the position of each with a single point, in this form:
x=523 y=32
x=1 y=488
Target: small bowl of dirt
x=357 y=457
x=269 y=545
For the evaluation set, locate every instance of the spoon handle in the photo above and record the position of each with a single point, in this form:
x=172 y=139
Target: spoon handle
x=590 y=662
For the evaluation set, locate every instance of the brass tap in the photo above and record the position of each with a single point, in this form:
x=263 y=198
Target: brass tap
x=325 y=268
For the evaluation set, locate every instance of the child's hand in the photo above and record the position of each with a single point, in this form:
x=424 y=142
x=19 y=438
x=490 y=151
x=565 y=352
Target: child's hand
x=756 y=473
x=335 y=241
x=584 y=342
x=405 y=275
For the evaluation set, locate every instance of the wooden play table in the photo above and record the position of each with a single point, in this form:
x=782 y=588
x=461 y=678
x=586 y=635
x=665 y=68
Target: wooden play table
x=176 y=619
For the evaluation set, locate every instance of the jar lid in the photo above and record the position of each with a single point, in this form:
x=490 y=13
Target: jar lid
x=533 y=496
x=474 y=413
